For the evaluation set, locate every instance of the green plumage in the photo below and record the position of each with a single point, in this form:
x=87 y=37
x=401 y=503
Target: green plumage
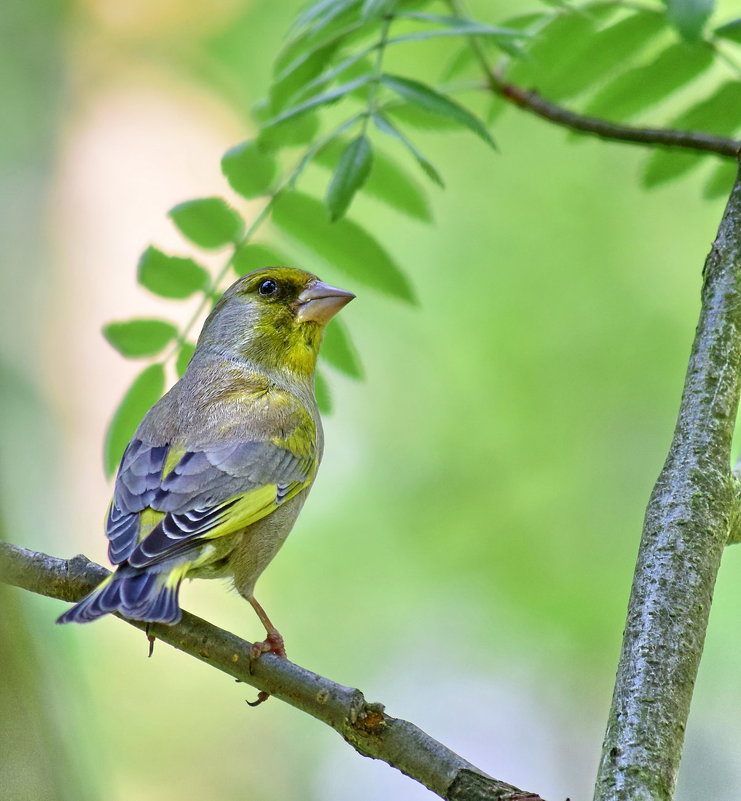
x=218 y=470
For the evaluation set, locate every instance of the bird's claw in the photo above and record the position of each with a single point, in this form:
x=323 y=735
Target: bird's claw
x=272 y=644
x=262 y=696
x=152 y=639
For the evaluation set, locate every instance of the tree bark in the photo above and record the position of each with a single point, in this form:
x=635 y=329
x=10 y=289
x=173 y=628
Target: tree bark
x=365 y=726
x=689 y=518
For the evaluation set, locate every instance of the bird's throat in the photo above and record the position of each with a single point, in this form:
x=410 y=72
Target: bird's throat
x=293 y=350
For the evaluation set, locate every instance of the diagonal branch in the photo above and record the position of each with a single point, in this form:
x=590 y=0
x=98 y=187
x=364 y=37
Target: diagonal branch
x=530 y=100
x=692 y=511
x=365 y=726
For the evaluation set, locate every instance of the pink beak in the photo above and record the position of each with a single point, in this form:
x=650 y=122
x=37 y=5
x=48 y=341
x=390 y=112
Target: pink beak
x=319 y=302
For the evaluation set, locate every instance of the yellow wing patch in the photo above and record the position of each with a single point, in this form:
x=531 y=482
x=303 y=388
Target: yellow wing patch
x=251 y=507
x=174 y=455
x=148 y=519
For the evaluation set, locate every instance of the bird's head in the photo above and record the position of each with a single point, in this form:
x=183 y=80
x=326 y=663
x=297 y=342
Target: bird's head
x=273 y=318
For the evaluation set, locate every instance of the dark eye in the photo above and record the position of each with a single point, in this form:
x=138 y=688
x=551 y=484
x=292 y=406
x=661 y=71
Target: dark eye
x=268 y=287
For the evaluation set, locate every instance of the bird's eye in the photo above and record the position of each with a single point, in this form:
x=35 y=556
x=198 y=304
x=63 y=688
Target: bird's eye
x=268 y=287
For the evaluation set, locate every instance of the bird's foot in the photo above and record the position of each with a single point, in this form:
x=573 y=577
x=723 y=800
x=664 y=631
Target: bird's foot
x=272 y=644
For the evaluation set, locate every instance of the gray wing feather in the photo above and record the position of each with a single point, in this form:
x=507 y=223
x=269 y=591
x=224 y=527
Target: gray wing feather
x=138 y=479
x=203 y=485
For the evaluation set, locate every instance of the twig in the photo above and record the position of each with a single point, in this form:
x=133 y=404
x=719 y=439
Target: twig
x=692 y=510
x=688 y=140
x=532 y=101
x=365 y=726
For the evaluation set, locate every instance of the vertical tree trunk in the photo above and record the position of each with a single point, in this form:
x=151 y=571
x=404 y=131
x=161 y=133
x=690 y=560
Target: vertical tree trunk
x=687 y=524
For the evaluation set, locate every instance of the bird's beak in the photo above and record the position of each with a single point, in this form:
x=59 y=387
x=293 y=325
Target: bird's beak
x=319 y=302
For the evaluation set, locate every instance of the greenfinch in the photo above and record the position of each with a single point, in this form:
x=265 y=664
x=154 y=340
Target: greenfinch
x=218 y=470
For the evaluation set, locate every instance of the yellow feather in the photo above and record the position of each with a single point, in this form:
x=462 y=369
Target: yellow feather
x=148 y=519
x=251 y=507
x=173 y=457
x=177 y=574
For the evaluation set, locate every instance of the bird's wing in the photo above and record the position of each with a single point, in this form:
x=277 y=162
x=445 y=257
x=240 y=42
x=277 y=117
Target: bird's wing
x=168 y=500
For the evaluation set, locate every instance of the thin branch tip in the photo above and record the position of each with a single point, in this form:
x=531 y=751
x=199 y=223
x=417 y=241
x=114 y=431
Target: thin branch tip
x=532 y=101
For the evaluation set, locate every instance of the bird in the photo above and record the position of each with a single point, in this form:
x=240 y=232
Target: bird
x=216 y=473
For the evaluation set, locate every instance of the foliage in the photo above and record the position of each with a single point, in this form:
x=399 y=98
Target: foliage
x=333 y=104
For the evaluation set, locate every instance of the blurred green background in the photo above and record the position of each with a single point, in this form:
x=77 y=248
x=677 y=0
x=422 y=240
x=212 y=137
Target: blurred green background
x=466 y=554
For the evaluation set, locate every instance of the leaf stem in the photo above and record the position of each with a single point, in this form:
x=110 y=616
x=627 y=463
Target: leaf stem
x=288 y=182
x=317 y=146
x=212 y=289
x=377 y=70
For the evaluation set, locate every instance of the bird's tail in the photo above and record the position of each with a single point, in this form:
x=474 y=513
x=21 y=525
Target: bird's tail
x=136 y=594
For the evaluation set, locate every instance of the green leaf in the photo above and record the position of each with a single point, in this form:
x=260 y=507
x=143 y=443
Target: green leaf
x=383 y=124
x=731 y=31
x=294 y=80
x=417 y=117
x=458 y=23
x=497 y=107
x=146 y=390
x=347 y=65
x=185 y=354
x=249 y=170
x=721 y=181
x=208 y=222
x=323 y=99
x=461 y=61
x=556 y=44
x=257 y=256
x=322 y=393
x=459 y=26
x=300 y=131
x=139 y=337
x=430 y=100
x=340 y=30
x=518 y=25
x=343 y=244
x=652 y=82
x=351 y=173
x=664 y=166
x=607 y=51
x=311 y=152
x=338 y=350
x=689 y=16
x=387 y=182
x=524 y=22
x=376 y=8
x=720 y=113
x=499 y=36
x=261 y=110
x=170 y=276
x=323 y=12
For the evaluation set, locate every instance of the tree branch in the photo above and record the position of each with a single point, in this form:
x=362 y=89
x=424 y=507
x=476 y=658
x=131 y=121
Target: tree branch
x=690 y=515
x=365 y=726
x=532 y=101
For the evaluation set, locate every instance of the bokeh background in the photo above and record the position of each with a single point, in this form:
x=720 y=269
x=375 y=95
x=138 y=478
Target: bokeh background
x=466 y=554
